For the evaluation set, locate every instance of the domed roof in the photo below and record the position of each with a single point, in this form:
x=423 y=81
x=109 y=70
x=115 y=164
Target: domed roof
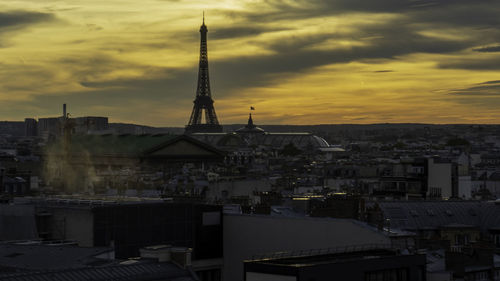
x=250 y=127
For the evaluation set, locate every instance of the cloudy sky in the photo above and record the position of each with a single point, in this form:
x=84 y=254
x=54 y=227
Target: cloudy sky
x=296 y=62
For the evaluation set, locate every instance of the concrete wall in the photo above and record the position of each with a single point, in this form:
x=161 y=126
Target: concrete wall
x=73 y=224
x=17 y=222
x=440 y=177
x=249 y=235
x=464 y=187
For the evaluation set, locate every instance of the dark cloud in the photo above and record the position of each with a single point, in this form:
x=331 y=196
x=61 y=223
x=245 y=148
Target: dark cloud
x=472 y=64
x=485 y=95
x=296 y=54
x=240 y=31
x=475 y=22
x=291 y=56
x=488 y=49
x=485 y=89
x=17 y=19
x=490 y=82
x=425 y=10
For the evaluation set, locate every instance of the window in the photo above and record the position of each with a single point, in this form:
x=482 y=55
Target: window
x=497 y=240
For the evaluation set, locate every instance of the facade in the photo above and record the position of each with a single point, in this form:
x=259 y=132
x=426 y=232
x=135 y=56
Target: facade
x=423 y=177
x=442 y=179
x=98 y=163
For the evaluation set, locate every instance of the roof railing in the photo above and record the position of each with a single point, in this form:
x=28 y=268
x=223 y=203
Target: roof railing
x=322 y=251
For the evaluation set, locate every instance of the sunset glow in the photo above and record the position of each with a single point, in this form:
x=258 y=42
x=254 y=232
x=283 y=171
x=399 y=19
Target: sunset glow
x=296 y=62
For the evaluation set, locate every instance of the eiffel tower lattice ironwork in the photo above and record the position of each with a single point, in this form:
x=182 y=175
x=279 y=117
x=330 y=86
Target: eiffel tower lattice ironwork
x=203 y=101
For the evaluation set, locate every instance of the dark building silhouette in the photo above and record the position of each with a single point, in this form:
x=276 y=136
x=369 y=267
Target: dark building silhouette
x=203 y=101
x=30 y=127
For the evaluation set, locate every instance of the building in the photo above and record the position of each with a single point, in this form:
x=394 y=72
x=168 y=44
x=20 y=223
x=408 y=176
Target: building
x=354 y=264
x=52 y=127
x=97 y=163
x=249 y=137
x=124 y=226
x=417 y=178
x=474 y=262
x=30 y=127
x=249 y=236
x=37 y=260
x=440 y=223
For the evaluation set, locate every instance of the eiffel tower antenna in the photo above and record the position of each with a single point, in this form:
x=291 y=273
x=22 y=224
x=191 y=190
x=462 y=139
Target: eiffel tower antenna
x=203 y=103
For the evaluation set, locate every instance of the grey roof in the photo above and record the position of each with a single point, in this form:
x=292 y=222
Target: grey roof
x=414 y=215
x=276 y=140
x=140 y=271
x=436 y=261
x=45 y=257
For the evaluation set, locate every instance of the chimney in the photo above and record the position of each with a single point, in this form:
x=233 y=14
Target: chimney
x=181 y=256
x=64 y=110
x=159 y=252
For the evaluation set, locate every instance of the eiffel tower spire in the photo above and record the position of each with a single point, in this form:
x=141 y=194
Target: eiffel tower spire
x=203 y=100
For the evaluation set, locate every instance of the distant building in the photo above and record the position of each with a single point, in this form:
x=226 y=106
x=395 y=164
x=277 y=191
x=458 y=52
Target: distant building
x=421 y=177
x=30 y=127
x=49 y=127
x=54 y=126
x=96 y=163
x=252 y=136
x=447 y=223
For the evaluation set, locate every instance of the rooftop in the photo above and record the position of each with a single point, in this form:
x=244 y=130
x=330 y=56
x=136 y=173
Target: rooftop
x=34 y=255
x=314 y=257
x=125 y=272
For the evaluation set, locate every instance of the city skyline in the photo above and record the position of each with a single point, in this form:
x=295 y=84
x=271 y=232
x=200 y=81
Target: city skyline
x=296 y=62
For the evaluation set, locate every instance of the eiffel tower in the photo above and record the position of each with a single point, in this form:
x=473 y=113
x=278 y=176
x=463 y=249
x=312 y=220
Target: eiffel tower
x=203 y=100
